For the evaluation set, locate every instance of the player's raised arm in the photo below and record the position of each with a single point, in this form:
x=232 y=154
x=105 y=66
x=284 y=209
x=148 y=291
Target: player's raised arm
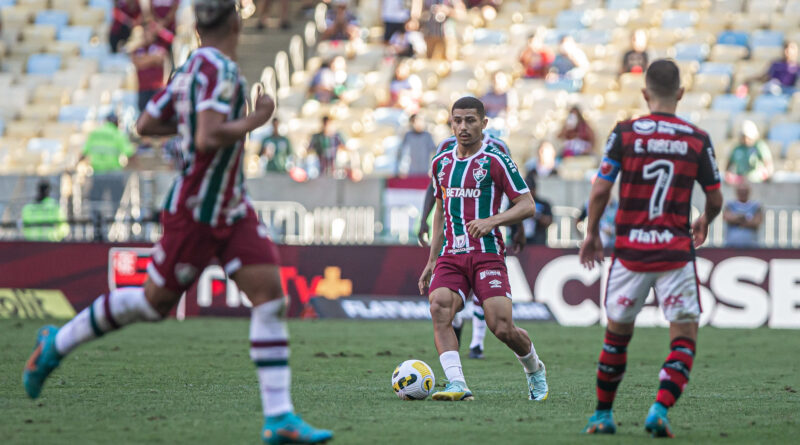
x=214 y=131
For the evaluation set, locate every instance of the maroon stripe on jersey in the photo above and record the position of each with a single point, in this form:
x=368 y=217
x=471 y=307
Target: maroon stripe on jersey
x=646 y=191
x=210 y=70
x=642 y=216
x=652 y=266
x=661 y=255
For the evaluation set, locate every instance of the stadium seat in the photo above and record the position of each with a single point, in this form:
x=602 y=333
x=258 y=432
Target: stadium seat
x=767 y=54
x=7 y=3
x=739 y=38
x=674 y=19
x=727 y=53
x=760 y=119
x=43 y=64
x=766 y=38
x=592 y=37
x=52 y=17
x=73 y=113
x=45 y=145
x=115 y=63
x=89 y=17
x=39 y=112
x=691 y=51
x=761 y=6
x=23 y=129
x=631 y=82
x=95 y=51
x=33 y=4
x=785 y=134
x=771 y=105
x=716 y=68
x=78 y=34
x=571 y=20
x=2 y=126
x=711 y=83
x=15 y=16
x=623 y=4
x=730 y=103
x=483 y=36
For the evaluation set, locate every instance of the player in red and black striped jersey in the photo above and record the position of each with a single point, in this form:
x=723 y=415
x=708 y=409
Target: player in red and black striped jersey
x=660 y=157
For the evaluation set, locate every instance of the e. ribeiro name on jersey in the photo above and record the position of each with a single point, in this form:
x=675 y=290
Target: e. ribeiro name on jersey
x=472 y=188
x=660 y=157
x=211 y=186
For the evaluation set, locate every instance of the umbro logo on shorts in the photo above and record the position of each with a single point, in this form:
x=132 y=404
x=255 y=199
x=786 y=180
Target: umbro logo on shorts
x=495 y=284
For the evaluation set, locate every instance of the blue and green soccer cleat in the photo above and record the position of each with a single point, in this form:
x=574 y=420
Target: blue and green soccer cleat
x=43 y=360
x=601 y=422
x=290 y=428
x=537 y=384
x=454 y=392
x=657 y=423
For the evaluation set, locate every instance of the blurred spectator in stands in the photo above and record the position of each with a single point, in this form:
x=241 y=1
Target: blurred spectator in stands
x=536 y=227
x=341 y=24
x=44 y=219
x=751 y=160
x=276 y=150
x=407 y=42
x=636 y=60
x=163 y=12
x=149 y=59
x=607 y=223
x=395 y=15
x=570 y=62
x=546 y=162
x=576 y=136
x=782 y=75
x=107 y=149
x=263 y=15
x=330 y=81
x=536 y=57
x=325 y=145
x=125 y=15
x=496 y=100
x=434 y=17
x=742 y=217
x=405 y=89
x=416 y=150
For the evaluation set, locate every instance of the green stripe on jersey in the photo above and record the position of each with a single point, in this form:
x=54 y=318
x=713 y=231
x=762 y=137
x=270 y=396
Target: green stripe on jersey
x=214 y=185
x=456 y=179
x=485 y=208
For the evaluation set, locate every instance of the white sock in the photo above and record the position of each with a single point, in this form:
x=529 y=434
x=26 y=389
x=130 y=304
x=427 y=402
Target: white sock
x=451 y=363
x=269 y=350
x=107 y=313
x=478 y=329
x=458 y=320
x=531 y=361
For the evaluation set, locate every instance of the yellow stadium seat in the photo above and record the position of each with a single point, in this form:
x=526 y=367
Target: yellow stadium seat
x=551 y=7
x=73 y=79
x=793 y=156
x=67 y=5
x=59 y=130
x=599 y=83
x=759 y=6
x=63 y=49
x=767 y=53
x=27 y=47
x=694 y=101
x=713 y=22
x=53 y=94
x=711 y=83
x=623 y=100
x=44 y=33
x=39 y=112
x=693 y=5
x=23 y=129
x=16 y=16
x=106 y=81
x=37 y=5
x=89 y=17
x=745 y=21
x=6 y=79
x=746 y=70
x=727 y=53
x=631 y=82
x=728 y=5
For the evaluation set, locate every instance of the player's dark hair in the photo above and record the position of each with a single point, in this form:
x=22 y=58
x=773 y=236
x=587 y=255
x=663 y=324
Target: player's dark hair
x=663 y=79
x=469 y=103
x=218 y=20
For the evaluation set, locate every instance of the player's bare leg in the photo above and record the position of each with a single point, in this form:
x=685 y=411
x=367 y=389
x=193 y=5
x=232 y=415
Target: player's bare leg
x=497 y=312
x=674 y=376
x=610 y=370
x=107 y=313
x=269 y=350
x=444 y=306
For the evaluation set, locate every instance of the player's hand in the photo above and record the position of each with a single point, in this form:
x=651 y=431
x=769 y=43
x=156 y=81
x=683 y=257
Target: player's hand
x=264 y=106
x=518 y=240
x=422 y=234
x=425 y=278
x=479 y=228
x=591 y=251
x=699 y=231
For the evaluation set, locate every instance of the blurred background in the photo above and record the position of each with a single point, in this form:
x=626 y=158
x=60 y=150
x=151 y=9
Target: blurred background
x=363 y=91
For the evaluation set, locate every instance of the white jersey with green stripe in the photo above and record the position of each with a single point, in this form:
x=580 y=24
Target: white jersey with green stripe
x=472 y=188
x=211 y=186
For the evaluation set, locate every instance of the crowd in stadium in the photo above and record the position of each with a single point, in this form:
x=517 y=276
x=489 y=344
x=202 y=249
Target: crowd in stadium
x=370 y=96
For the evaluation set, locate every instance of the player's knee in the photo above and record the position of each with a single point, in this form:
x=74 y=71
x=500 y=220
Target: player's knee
x=160 y=299
x=504 y=331
x=441 y=306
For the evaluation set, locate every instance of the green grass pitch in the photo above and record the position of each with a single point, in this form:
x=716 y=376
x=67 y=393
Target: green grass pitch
x=193 y=382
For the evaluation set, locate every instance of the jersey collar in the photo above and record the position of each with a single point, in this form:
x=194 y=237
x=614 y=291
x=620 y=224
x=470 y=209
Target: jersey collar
x=480 y=151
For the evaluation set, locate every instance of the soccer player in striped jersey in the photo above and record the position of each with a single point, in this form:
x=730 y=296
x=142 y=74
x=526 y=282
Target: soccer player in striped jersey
x=206 y=215
x=661 y=157
x=467 y=249
x=518 y=242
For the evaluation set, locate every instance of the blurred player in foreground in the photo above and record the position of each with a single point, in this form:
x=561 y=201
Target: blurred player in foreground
x=660 y=157
x=467 y=251
x=206 y=215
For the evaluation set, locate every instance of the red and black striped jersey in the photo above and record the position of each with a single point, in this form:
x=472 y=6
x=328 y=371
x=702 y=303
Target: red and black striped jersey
x=660 y=157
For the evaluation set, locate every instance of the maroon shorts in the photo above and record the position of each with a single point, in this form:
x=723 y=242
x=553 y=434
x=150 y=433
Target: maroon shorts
x=187 y=247
x=483 y=273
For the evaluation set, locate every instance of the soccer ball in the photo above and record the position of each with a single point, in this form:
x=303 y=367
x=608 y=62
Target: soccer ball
x=413 y=380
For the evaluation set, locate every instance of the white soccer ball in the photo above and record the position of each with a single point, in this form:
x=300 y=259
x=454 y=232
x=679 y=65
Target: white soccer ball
x=413 y=380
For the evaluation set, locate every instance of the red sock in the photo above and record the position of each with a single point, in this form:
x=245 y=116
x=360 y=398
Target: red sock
x=611 y=368
x=674 y=374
